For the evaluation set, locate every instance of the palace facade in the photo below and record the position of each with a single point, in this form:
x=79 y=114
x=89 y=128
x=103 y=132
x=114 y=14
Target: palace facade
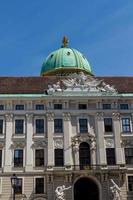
x=66 y=127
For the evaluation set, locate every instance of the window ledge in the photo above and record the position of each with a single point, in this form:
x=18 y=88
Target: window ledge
x=18 y=135
x=18 y=169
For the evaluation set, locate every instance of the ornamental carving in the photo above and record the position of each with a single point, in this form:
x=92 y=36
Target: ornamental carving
x=99 y=115
x=116 y=116
x=58 y=143
x=50 y=116
x=66 y=116
x=127 y=143
x=29 y=117
x=80 y=82
x=39 y=143
x=9 y=117
x=109 y=143
x=18 y=143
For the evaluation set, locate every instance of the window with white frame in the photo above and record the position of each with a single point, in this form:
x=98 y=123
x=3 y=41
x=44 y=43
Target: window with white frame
x=19 y=126
x=18 y=158
x=59 y=157
x=39 y=126
x=39 y=157
x=39 y=106
x=19 y=107
x=83 y=125
x=58 y=125
x=57 y=106
x=39 y=185
x=1 y=126
x=130 y=183
x=18 y=187
x=110 y=155
x=124 y=106
x=126 y=126
x=1 y=107
x=108 y=125
x=82 y=106
x=106 y=106
x=129 y=156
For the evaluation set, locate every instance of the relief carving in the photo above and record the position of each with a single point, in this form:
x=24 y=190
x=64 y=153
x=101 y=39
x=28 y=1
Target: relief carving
x=58 y=143
x=66 y=116
x=50 y=116
x=9 y=117
x=109 y=143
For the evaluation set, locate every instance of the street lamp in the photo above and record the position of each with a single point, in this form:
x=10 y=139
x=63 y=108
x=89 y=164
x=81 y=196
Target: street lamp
x=14 y=180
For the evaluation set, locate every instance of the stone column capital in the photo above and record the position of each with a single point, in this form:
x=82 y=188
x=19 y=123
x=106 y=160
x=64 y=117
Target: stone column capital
x=9 y=117
x=116 y=116
x=50 y=116
x=99 y=116
x=29 y=117
x=66 y=116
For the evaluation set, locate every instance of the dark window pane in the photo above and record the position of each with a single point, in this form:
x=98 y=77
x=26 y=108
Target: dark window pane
x=0 y=158
x=18 y=158
x=18 y=188
x=84 y=155
x=39 y=157
x=39 y=125
x=19 y=107
x=126 y=125
x=39 y=186
x=39 y=107
x=124 y=106
x=130 y=183
x=59 y=157
x=19 y=126
x=1 y=126
x=108 y=125
x=58 y=126
x=129 y=156
x=83 y=126
x=110 y=154
x=106 y=106
x=82 y=106
x=58 y=106
x=1 y=107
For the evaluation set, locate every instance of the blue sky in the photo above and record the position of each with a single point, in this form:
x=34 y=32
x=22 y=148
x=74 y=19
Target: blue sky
x=101 y=29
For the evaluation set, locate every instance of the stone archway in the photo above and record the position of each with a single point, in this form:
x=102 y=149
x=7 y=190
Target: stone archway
x=86 y=188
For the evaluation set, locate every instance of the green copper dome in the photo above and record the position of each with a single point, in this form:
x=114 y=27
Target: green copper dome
x=65 y=60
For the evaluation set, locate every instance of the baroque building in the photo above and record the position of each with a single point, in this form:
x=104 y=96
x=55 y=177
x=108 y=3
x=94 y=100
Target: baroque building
x=66 y=127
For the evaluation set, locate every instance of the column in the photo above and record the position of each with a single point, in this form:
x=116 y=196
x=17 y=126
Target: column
x=29 y=135
x=101 y=153
x=67 y=139
x=8 y=141
x=50 y=146
x=75 y=152
x=117 y=138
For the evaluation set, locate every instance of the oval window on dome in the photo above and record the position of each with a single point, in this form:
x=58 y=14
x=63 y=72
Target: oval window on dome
x=51 y=55
x=68 y=53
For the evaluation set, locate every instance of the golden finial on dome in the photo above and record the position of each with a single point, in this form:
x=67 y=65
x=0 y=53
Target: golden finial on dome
x=65 y=41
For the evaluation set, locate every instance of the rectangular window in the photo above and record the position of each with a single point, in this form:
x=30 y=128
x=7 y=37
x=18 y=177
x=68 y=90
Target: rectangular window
x=39 y=107
x=82 y=106
x=39 y=157
x=83 y=125
x=58 y=125
x=58 y=106
x=0 y=158
x=106 y=106
x=39 y=125
x=110 y=155
x=108 y=125
x=18 y=187
x=1 y=126
x=18 y=158
x=59 y=157
x=129 y=156
x=1 y=107
x=19 y=107
x=39 y=187
x=19 y=126
x=126 y=125
x=130 y=183
x=124 y=106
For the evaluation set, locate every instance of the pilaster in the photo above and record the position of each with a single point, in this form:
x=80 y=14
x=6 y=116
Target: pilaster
x=101 y=154
x=117 y=137
x=50 y=147
x=9 y=132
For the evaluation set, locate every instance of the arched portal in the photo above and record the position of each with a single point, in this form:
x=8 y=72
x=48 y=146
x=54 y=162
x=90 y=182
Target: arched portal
x=86 y=189
x=84 y=155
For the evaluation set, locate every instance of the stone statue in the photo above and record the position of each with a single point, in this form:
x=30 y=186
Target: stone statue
x=59 y=192
x=115 y=190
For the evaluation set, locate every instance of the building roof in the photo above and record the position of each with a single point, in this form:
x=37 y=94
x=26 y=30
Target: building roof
x=38 y=85
x=65 y=60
